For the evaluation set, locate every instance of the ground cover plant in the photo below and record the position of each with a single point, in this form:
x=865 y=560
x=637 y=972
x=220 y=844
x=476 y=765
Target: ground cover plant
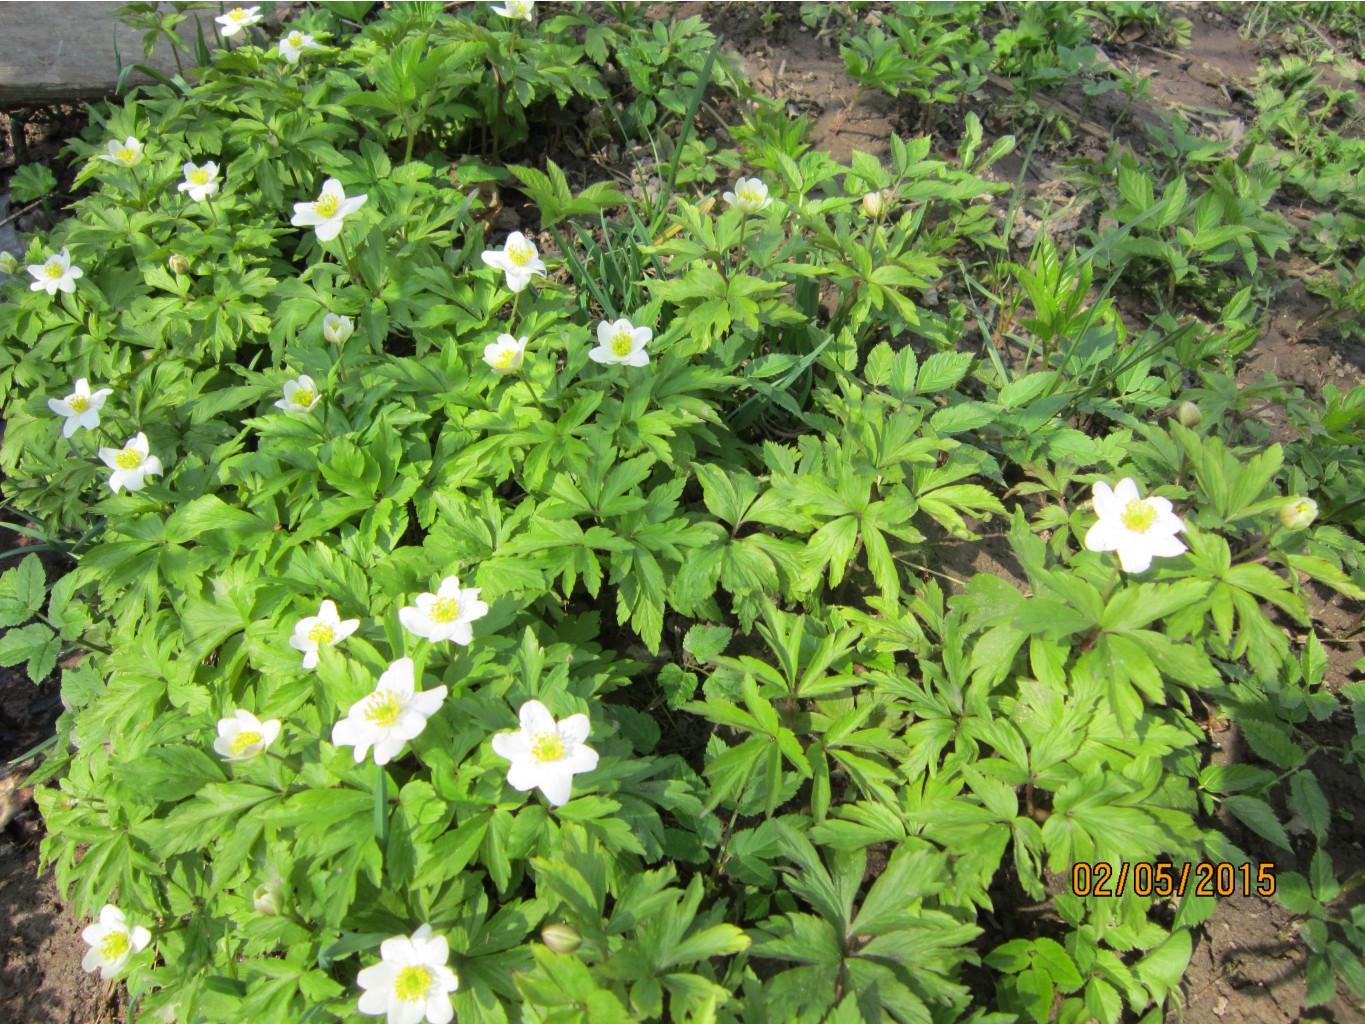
x=567 y=622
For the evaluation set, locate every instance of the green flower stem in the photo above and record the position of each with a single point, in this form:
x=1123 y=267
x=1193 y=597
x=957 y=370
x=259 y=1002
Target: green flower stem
x=381 y=805
x=1113 y=577
x=1259 y=543
x=213 y=210
x=531 y=387
x=340 y=364
x=350 y=260
x=141 y=193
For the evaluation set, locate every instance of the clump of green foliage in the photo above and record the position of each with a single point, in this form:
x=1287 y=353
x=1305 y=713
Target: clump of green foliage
x=816 y=766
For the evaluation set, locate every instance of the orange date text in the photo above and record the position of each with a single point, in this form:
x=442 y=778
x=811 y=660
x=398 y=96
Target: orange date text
x=1145 y=878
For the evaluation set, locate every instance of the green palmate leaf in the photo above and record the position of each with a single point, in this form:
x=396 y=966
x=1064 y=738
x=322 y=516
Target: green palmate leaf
x=1258 y=816
x=35 y=644
x=22 y=590
x=943 y=370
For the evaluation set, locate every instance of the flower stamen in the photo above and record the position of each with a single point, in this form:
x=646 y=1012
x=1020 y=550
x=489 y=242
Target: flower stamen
x=321 y=634
x=384 y=708
x=411 y=984
x=445 y=609
x=243 y=740
x=114 y=945
x=547 y=747
x=1139 y=516
x=128 y=458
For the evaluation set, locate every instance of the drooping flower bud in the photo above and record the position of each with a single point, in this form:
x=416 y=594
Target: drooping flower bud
x=268 y=899
x=561 y=938
x=337 y=329
x=1298 y=513
x=874 y=203
x=1189 y=415
x=178 y=264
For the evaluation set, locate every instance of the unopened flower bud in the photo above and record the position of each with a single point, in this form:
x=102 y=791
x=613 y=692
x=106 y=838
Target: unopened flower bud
x=268 y=899
x=874 y=203
x=1189 y=415
x=337 y=329
x=178 y=264
x=561 y=938
x=1298 y=513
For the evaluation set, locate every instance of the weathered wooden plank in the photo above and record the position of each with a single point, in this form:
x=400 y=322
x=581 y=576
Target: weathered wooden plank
x=65 y=52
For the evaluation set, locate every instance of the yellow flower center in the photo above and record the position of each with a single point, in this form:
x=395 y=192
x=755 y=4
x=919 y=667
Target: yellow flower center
x=445 y=609
x=1139 y=516
x=521 y=254
x=751 y=196
x=295 y=39
x=236 y=14
x=384 y=708
x=200 y=175
x=504 y=358
x=321 y=634
x=547 y=747
x=411 y=984
x=1301 y=508
x=54 y=269
x=78 y=403
x=129 y=458
x=621 y=343
x=326 y=206
x=114 y=945
x=304 y=397
x=243 y=740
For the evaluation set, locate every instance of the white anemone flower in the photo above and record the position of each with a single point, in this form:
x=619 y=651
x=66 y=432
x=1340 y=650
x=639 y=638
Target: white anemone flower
x=8 y=263
x=329 y=212
x=621 y=342
x=55 y=272
x=337 y=329
x=546 y=755
x=506 y=354
x=238 y=19
x=446 y=614
x=520 y=10
x=294 y=44
x=300 y=395
x=243 y=736
x=325 y=629
x=127 y=153
x=1139 y=529
x=390 y=716
x=200 y=182
x=517 y=259
x=131 y=464
x=750 y=195
x=81 y=408
x=412 y=982
x=268 y=898
x=112 y=942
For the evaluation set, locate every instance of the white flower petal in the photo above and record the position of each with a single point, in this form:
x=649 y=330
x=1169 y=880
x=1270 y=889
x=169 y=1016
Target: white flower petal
x=511 y=745
x=535 y=718
x=557 y=787
x=575 y=729
x=1125 y=491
